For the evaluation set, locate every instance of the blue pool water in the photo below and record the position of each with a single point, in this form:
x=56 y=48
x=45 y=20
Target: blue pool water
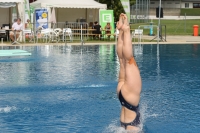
x=61 y=89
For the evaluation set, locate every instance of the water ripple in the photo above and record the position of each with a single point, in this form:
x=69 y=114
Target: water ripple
x=66 y=89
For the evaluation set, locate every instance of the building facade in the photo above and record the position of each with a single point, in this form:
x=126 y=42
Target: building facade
x=175 y=3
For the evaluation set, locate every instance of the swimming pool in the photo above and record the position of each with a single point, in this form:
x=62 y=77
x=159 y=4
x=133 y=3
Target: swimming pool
x=64 y=89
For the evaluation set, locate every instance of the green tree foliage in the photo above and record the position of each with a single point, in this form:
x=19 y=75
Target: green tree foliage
x=116 y=6
x=132 y=2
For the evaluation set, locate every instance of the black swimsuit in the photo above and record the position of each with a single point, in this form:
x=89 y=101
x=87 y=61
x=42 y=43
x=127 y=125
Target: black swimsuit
x=124 y=103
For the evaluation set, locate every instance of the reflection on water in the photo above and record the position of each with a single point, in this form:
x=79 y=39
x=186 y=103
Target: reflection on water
x=73 y=89
x=49 y=61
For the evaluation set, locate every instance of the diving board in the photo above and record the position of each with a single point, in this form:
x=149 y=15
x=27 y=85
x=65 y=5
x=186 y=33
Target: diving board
x=14 y=52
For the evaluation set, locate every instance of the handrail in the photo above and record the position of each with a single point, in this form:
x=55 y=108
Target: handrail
x=148 y=27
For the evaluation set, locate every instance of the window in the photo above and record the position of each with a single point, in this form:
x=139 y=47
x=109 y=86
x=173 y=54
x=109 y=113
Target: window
x=152 y=2
x=196 y=5
x=177 y=3
x=186 y=5
x=169 y=3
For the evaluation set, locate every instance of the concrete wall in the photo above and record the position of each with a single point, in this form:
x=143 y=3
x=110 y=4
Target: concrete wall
x=166 y=12
x=170 y=4
x=165 y=4
x=92 y=15
x=71 y=14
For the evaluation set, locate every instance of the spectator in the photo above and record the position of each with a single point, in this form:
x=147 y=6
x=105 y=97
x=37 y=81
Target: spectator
x=16 y=27
x=97 y=31
x=108 y=29
x=28 y=24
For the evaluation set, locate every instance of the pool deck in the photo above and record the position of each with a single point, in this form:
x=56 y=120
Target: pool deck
x=170 y=40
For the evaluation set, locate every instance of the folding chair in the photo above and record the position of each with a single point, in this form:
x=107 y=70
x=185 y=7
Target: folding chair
x=59 y=32
x=138 y=32
x=44 y=34
x=67 y=32
x=54 y=36
x=30 y=34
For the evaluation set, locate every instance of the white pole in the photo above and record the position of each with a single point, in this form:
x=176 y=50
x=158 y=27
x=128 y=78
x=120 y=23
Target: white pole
x=159 y=20
x=159 y=13
x=24 y=21
x=81 y=39
x=81 y=36
x=157 y=34
x=81 y=33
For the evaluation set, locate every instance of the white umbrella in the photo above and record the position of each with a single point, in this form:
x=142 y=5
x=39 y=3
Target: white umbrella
x=27 y=10
x=53 y=16
x=49 y=17
x=21 y=11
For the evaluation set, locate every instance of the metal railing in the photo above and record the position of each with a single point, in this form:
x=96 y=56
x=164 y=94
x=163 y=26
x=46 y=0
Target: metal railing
x=140 y=11
x=63 y=31
x=148 y=27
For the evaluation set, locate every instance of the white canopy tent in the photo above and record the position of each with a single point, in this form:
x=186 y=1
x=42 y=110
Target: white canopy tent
x=6 y=11
x=69 y=4
x=71 y=10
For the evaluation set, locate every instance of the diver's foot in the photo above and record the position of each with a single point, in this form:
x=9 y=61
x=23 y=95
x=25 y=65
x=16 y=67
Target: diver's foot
x=125 y=26
x=120 y=22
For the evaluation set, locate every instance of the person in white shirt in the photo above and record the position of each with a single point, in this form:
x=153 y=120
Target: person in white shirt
x=16 y=27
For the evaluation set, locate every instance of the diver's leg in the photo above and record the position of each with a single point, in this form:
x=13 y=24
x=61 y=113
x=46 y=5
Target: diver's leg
x=132 y=86
x=127 y=47
x=120 y=56
x=132 y=74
